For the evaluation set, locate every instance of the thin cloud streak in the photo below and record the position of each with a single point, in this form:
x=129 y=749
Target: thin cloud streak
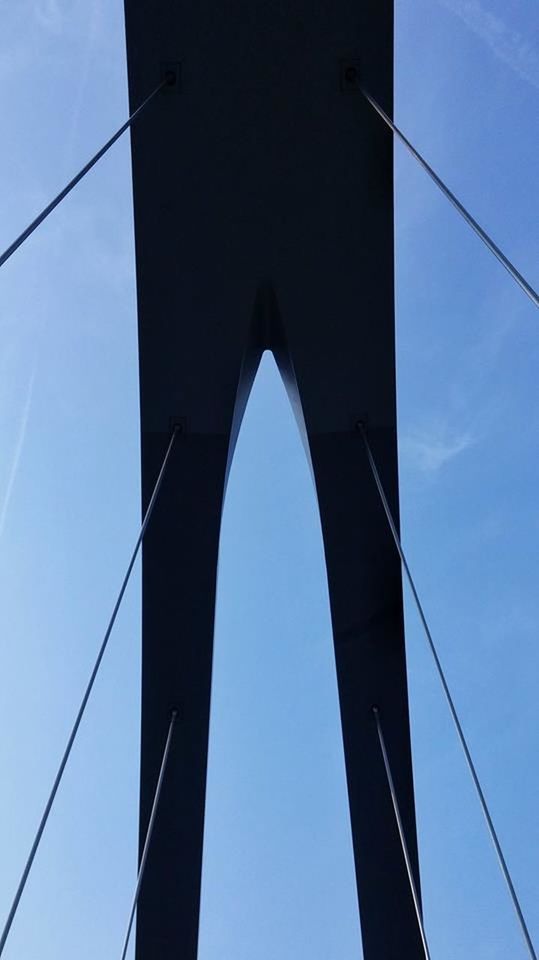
x=507 y=44
x=83 y=74
x=18 y=449
x=49 y=15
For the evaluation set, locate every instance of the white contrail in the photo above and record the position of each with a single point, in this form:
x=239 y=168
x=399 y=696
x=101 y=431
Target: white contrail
x=18 y=449
x=83 y=74
x=518 y=52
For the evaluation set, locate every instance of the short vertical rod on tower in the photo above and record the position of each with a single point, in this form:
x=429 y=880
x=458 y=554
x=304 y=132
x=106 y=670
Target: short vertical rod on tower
x=404 y=845
x=149 y=831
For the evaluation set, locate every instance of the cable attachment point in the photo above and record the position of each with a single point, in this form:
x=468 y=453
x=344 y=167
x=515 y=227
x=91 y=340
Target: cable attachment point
x=350 y=76
x=177 y=425
x=171 y=75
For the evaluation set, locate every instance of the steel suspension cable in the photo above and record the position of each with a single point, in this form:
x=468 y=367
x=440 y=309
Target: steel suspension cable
x=86 y=697
x=471 y=221
x=78 y=177
x=149 y=831
x=400 y=827
x=460 y=733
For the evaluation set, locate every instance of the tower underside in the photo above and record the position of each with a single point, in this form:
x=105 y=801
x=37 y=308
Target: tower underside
x=263 y=192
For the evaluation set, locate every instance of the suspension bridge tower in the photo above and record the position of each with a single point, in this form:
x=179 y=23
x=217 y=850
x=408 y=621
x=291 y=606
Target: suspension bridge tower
x=262 y=139
x=263 y=193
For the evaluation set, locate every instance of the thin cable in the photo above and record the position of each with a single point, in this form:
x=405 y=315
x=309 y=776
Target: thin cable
x=73 y=734
x=400 y=827
x=149 y=832
x=488 y=241
x=452 y=708
x=76 y=179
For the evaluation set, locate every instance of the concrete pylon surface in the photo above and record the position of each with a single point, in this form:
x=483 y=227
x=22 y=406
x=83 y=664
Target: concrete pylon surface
x=263 y=193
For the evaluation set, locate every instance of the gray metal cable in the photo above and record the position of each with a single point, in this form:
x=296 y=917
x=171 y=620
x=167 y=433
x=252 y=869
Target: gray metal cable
x=149 y=831
x=402 y=836
x=460 y=733
x=86 y=697
x=488 y=241
x=79 y=176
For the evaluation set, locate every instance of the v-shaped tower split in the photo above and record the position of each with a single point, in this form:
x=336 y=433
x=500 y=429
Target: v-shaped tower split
x=263 y=192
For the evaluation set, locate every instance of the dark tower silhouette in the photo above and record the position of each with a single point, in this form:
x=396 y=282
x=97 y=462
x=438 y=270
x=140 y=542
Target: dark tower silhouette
x=263 y=191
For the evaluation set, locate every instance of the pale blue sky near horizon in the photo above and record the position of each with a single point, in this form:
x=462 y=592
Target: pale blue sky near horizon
x=278 y=878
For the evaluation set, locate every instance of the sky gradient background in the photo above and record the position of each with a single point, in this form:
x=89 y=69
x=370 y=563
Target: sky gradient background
x=278 y=877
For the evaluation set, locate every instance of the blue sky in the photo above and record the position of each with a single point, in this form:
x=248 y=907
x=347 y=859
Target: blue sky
x=278 y=873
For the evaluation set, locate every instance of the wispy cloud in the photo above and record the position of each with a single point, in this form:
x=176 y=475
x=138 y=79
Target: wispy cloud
x=429 y=451
x=506 y=43
x=18 y=450
x=49 y=15
x=83 y=75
